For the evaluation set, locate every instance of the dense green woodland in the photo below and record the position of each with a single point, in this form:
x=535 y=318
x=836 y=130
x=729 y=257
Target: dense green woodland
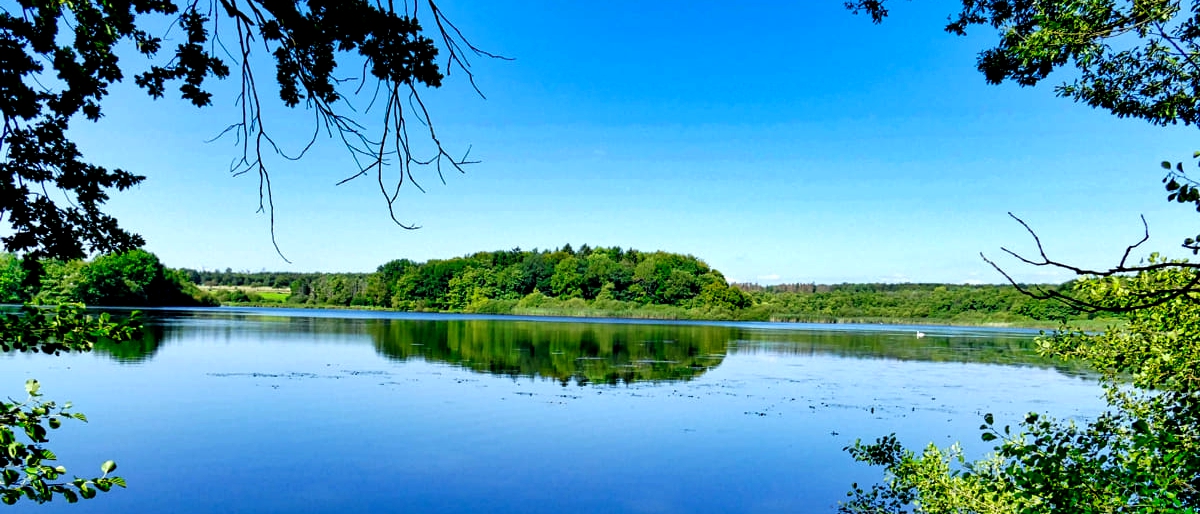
x=585 y=282
x=498 y=281
x=628 y=283
x=131 y=279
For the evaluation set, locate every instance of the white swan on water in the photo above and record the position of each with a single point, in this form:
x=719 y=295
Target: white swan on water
x=920 y=334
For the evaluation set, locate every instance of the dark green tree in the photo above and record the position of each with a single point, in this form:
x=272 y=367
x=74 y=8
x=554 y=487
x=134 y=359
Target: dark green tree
x=535 y=273
x=567 y=281
x=12 y=276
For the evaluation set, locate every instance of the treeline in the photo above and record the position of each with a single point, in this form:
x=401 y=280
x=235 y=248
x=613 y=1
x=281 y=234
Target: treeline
x=273 y=279
x=610 y=282
x=499 y=281
x=630 y=283
x=131 y=279
x=963 y=303
x=783 y=288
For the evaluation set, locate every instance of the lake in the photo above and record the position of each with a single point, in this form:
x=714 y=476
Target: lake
x=278 y=410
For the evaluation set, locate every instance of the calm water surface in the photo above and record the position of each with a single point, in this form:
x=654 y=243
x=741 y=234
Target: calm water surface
x=248 y=410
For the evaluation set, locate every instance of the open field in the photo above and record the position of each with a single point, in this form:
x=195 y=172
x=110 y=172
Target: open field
x=267 y=294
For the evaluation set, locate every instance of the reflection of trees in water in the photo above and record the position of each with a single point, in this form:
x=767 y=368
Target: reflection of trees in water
x=164 y=327
x=135 y=350
x=1000 y=348
x=582 y=352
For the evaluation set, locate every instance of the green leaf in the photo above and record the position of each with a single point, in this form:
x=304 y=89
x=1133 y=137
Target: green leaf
x=32 y=386
x=987 y=418
x=1140 y=426
x=988 y=436
x=108 y=467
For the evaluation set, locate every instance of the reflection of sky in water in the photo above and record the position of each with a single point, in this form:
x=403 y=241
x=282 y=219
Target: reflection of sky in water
x=238 y=417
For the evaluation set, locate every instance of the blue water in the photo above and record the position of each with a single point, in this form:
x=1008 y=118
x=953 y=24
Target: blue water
x=251 y=410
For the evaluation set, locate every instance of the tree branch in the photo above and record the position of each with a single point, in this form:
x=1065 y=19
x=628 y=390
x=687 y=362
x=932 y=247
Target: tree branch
x=1190 y=290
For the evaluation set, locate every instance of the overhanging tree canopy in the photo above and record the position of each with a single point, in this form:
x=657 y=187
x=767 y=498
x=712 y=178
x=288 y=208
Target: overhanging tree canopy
x=61 y=58
x=58 y=61
x=1138 y=59
x=1134 y=58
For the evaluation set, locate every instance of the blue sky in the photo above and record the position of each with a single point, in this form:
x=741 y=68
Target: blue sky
x=778 y=141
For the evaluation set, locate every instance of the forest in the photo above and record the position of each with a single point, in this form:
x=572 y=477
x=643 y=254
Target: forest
x=615 y=282
x=130 y=279
x=502 y=280
x=599 y=282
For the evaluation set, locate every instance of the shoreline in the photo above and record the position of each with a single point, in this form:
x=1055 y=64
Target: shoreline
x=669 y=314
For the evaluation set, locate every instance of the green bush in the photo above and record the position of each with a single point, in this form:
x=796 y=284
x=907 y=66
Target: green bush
x=1142 y=455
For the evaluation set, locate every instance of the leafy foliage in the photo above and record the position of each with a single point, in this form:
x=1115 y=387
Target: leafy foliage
x=1142 y=455
x=128 y=279
x=659 y=278
x=26 y=469
x=37 y=482
x=62 y=58
x=12 y=277
x=1133 y=58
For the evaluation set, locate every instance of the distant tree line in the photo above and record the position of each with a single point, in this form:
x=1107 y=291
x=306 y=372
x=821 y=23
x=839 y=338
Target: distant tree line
x=274 y=279
x=564 y=281
x=631 y=283
x=129 y=279
x=999 y=303
x=782 y=288
x=476 y=282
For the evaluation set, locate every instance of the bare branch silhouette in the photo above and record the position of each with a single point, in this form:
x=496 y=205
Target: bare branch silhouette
x=372 y=151
x=1190 y=290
